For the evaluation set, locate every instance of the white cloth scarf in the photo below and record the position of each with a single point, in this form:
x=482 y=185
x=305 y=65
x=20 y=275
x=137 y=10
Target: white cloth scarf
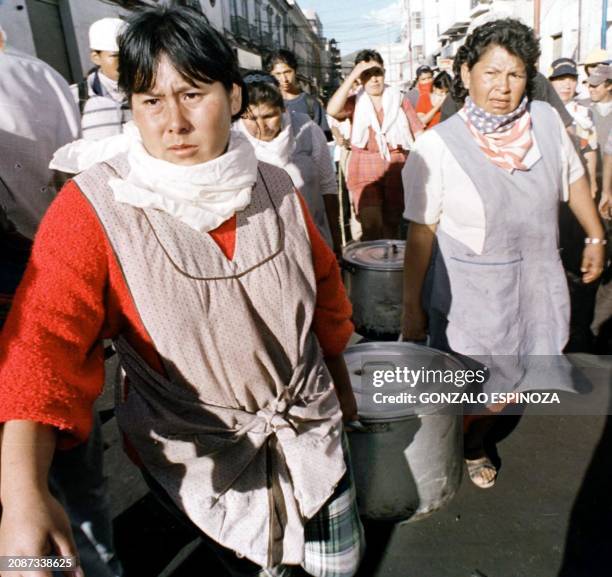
x=203 y=196
x=395 y=130
x=276 y=151
x=580 y=114
x=604 y=108
x=111 y=87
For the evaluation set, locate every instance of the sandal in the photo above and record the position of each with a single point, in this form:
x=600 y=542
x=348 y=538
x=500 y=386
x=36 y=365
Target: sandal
x=475 y=468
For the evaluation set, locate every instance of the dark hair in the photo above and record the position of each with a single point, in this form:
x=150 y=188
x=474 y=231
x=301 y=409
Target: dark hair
x=263 y=89
x=184 y=36
x=369 y=55
x=512 y=35
x=443 y=80
x=284 y=57
x=424 y=68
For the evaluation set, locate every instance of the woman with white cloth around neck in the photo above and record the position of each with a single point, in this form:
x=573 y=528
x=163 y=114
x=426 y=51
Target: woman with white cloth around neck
x=228 y=314
x=292 y=141
x=384 y=126
x=487 y=183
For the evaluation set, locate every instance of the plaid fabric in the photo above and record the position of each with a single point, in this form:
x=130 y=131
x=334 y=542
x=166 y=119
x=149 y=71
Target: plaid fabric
x=373 y=181
x=334 y=536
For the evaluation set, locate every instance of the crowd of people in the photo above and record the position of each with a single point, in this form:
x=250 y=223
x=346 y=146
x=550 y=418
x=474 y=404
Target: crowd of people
x=188 y=211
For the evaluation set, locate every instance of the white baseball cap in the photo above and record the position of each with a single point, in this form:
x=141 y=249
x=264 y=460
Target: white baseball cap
x=103 y=34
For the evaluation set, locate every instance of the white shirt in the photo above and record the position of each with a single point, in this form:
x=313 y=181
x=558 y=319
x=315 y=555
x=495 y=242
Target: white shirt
x=37 y=116
x=438 y=191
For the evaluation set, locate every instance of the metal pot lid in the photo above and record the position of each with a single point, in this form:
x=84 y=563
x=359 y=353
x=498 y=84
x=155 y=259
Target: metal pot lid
x=365 y=358
x=376 y=254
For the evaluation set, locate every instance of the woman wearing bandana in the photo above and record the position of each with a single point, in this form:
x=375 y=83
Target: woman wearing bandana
x=486 y=184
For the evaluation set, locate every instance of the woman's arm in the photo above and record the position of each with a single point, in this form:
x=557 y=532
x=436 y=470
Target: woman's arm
x=583 y=207
x=416 y=126
x=591 y=162
x=332 y=318
x=33 y=522
x=342 y=383
x=605 y=204
x=419 y=246
x=426 y=117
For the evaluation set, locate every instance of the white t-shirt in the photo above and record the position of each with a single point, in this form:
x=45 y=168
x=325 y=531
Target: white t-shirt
x=438 y=191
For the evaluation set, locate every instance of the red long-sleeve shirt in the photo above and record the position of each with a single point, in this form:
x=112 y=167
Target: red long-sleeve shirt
x=73 y=295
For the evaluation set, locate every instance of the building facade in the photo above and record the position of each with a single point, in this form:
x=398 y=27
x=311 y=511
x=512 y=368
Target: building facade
x=57 y=31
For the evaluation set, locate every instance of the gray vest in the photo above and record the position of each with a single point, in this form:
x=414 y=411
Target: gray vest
x=244 y=431
x=509 y=304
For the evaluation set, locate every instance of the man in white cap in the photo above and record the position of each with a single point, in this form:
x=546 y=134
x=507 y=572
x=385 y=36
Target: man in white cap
x=103 y=106
x=600 y=90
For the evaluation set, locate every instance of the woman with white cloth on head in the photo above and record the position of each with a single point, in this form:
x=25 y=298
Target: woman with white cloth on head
x=384 y=126
x=292 y=141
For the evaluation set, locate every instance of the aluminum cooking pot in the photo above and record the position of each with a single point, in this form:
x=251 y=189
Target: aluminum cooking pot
x=373 y=276
x=406 y=464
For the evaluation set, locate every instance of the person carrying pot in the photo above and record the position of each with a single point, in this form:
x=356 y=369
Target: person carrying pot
x=227 y=312
x=486 y=185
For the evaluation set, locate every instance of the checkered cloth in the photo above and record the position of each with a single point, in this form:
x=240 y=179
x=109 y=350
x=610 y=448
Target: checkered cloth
x=372 y=181
x=334 y=536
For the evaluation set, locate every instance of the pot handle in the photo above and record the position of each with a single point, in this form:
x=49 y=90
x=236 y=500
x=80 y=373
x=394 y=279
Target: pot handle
x=359 y=428
x=348 y=267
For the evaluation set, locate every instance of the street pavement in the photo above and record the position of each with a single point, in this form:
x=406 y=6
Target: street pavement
x=549 y=514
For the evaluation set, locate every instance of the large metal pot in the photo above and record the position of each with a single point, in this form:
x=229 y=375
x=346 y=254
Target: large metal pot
x=373 y=276
x=406 y=464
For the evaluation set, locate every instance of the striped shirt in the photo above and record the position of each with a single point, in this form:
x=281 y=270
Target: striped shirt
x=105 y=111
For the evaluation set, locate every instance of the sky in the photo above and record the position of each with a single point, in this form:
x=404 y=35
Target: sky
x=358 y=24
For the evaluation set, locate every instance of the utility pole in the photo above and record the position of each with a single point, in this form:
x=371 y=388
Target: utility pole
x=536 y=16
x=604 y=23
x=579 y=39
x=409 y=38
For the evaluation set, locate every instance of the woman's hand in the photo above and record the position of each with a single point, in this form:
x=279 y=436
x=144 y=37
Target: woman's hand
x=593 y=259
x=361 y=67
x=36 y=526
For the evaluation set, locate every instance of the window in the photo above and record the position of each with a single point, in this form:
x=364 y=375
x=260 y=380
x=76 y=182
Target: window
x=279 y=31
x=557 y=46
x=417 y=20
